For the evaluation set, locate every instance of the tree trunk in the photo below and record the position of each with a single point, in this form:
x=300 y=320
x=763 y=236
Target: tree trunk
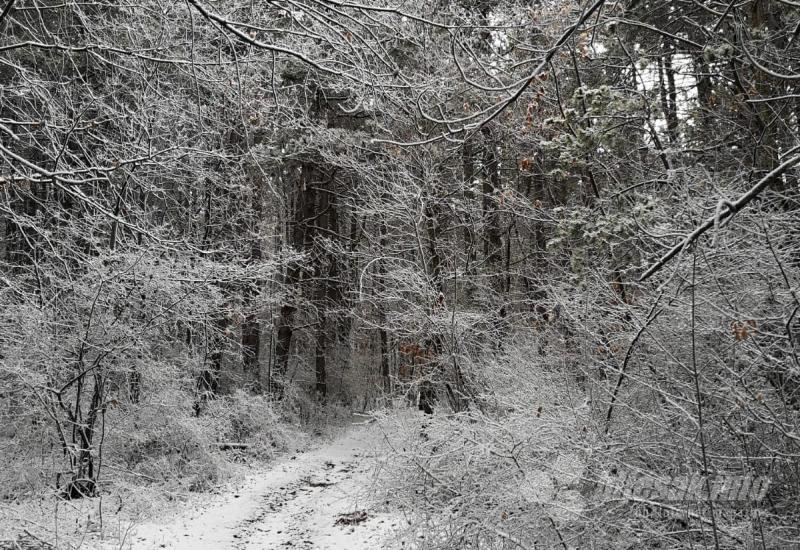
x=320 y=359
x=301 y=239
x=668 y=94
x=251 y=327
x=492 y=241
x=382 y=334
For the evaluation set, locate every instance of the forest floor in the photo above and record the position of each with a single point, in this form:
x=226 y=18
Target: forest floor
x=320 y=499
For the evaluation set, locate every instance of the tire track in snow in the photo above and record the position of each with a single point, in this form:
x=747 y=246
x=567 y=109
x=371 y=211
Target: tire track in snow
x=293 y=505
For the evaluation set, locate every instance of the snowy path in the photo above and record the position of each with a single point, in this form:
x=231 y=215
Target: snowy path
x=296 y=504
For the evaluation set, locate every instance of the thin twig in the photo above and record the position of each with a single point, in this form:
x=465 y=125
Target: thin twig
x=651 y=316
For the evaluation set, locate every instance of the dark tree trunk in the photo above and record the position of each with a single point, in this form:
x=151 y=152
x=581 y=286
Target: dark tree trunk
x=301 y=236
x=320 y=360
x=492 y=240
x=251 y=327
x=85 y=470
x=251 y=342
x=427 y=397
x=470 y=241
x=668 y=94
x=283 y=343
x=704 y=89
x=208 y=382
x=384 y=337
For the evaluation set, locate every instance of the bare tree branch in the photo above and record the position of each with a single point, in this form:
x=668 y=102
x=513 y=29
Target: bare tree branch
x=730 y=209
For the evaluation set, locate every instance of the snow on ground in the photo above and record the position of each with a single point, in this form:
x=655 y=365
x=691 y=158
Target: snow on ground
x=302 y=502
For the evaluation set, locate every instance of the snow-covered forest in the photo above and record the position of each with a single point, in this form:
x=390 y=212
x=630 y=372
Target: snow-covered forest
x=548 y=251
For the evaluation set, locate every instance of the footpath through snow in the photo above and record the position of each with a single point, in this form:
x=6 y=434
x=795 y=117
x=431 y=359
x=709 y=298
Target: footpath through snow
x=314 y=500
